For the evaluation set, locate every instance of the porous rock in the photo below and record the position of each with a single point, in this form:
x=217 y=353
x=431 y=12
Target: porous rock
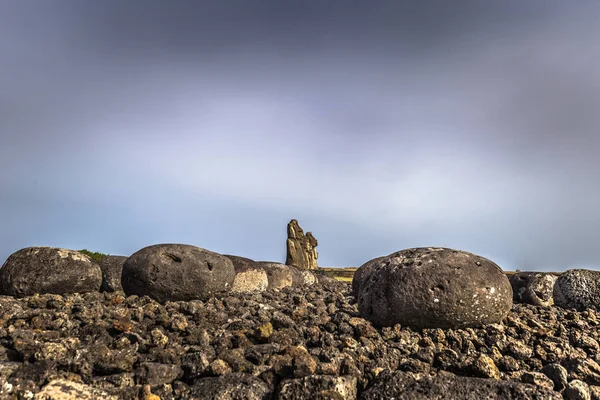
x=177 y=272
x=319 y=387
x=361 y=273
x=578 y=289
x=48 y=270
x=236 y=386
x=435 y=288
x=534 y=288
x=62 y=389
x=249 y=276
x=279 y=275
x=112 y=268
x=401 y=385
x=301 y=248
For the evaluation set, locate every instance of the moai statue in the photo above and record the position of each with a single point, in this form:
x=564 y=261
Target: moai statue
x=301 y=252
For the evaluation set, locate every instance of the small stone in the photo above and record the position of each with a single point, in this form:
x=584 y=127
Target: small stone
x=319 y=387
x=62 y=389
x=558 y=374
x=484 y=367
x=577 y=390
x=219 y=367
x=538 y=379
x=264 y=331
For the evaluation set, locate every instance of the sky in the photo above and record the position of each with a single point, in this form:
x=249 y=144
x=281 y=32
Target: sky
x=378 y=125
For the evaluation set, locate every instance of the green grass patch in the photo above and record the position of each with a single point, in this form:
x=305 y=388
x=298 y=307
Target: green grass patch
x=96 y=256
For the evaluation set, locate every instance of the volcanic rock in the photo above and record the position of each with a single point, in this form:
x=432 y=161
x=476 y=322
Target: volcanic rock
x=48 y=270
x=280 y=275
x=177 y=272
x=319 y=387
x=63 y=389
x=301 y=249
x=535 y=288
x=435 y=288
x=249 y=276
x=361 y=273
x=401 y=385
x=236 y=386
x=112 y=268
x=578 y=289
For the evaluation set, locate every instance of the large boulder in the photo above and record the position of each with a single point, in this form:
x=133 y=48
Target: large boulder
x=112 y=268
x=301 y=248
x=401 y=385
x=249 y=277
x=435 y=288
x=279 y=275
x=534 y=288
x=48 y=270
x=361 y=273
x=177 y=272
x=578 y=289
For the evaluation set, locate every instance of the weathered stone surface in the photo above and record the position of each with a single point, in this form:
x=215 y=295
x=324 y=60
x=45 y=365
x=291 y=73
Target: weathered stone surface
x=177 y=272
x=112 y=268
x=279 y=275
x=401 y=385
x=534 y=288
x=578 y=289
x=249 y=276
x=301 y=249
x=48 y=270
x=361 y=273
x=236 y=386
x=319 y=387
x=62 y=389
x=435 y=288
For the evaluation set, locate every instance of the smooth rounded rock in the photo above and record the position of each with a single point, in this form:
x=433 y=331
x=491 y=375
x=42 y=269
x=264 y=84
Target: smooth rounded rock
x=112 y=268
x=48 y=270
x=432 y=287
x=280 y=275
x=534 y=288
x=361 y=273
x=578 y=289
x=249 y=277
x=177 y=272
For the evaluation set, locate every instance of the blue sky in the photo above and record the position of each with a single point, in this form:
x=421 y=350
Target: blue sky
x=378 y=125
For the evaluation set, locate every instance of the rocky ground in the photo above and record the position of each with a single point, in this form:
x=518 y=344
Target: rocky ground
x=296 y=343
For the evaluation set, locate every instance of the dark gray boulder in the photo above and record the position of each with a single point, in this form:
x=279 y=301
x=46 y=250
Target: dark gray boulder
x=400 y=385
x=48 y=270
x=177 y=272
x=112 y=268
x=249 y=276
x=534 y=288
x=361 y=273
x=578 y=289
x=435 y=288
x=236 y=386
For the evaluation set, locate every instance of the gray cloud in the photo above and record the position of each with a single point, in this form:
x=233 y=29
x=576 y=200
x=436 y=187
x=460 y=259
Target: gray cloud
x=379 y=126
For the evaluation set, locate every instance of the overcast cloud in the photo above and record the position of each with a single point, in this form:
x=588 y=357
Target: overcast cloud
x=379 y=125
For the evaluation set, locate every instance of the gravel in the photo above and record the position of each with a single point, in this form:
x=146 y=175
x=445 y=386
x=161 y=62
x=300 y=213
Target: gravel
x=298 y=342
